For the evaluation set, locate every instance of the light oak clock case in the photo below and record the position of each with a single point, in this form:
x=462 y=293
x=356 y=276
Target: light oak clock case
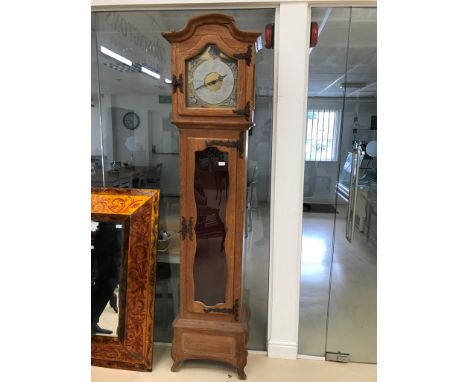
x=212 y=324
x=218 y=30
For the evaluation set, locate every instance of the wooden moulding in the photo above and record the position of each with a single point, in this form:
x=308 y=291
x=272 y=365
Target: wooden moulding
x=137 y=210
x=220 y=30
x=211 y=340
x=212 y=19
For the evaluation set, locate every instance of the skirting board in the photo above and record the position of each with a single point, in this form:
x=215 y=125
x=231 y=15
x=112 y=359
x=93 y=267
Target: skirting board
x=282 y=349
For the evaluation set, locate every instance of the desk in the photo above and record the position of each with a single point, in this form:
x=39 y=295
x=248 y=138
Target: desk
x=124 y=177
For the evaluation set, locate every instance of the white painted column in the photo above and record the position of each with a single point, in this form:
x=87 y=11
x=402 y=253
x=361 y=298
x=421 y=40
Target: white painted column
x=292 y=30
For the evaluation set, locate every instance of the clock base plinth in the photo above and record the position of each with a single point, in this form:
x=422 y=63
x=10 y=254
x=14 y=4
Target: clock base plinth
x=210 y=340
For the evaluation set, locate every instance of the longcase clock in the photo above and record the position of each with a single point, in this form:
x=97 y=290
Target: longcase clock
x=213 y=67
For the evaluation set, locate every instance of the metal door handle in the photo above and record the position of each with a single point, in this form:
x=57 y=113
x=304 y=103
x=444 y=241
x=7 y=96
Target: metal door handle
x=351 y=172
x=353 y=188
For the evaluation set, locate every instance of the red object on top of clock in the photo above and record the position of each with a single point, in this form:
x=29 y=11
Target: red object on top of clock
x=269 y=35
x=313 y=34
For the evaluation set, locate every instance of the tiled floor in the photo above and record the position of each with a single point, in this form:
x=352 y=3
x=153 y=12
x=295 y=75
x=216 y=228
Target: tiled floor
x=259 y=368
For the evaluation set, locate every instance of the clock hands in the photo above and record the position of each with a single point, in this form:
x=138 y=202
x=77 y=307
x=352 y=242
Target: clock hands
x=212 y=82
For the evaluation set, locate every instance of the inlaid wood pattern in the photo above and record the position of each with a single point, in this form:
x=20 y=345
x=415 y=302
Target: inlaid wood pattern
x=139 y=209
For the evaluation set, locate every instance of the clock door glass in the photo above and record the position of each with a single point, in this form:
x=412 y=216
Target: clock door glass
x=210 y=188
x=212 y=79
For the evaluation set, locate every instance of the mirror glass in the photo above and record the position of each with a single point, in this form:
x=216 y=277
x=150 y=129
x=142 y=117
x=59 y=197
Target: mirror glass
x=107 y=251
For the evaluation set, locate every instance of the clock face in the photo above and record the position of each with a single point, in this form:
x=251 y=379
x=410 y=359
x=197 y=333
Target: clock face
x=131 y=120
x=212 y=79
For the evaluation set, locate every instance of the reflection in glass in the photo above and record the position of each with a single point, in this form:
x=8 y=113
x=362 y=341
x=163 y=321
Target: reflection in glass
x=338 y=265
x=106 y=255
x=155 y=144
x=211 y=193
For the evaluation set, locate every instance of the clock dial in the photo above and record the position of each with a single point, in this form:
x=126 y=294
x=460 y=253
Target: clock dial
x=131 y=120
x=211 y=79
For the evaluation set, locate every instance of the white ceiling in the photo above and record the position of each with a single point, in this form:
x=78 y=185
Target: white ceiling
x=137 y=36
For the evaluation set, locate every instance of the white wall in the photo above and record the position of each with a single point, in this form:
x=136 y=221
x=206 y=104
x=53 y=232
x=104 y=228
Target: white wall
x=95 y=130
x=288 y=178
x=160 y=139
x=107 y=127
x=155 y=130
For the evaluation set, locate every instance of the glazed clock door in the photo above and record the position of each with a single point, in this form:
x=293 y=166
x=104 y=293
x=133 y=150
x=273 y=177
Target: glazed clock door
x=212 y=81
x=210 y=206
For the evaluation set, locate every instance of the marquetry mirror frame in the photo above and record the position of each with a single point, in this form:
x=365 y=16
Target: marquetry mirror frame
x=137 y=209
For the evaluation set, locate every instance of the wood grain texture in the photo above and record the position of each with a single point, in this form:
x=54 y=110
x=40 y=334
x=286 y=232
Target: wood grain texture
x=139 y=210
x=200 y=332
x=194 y=24
x=199 y=32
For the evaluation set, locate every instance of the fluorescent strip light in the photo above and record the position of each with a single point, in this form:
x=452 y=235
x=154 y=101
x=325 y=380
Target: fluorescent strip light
x=150 y=72
x=167 y=81
x=116 y=56
x=352 y=85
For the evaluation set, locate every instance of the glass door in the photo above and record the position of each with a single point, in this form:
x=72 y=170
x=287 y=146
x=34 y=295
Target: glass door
x=208 y=209
x=339 y=259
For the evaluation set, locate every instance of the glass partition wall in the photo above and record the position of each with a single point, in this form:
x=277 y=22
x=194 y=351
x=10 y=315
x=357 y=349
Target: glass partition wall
x=134 y=144
x=339 y=241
